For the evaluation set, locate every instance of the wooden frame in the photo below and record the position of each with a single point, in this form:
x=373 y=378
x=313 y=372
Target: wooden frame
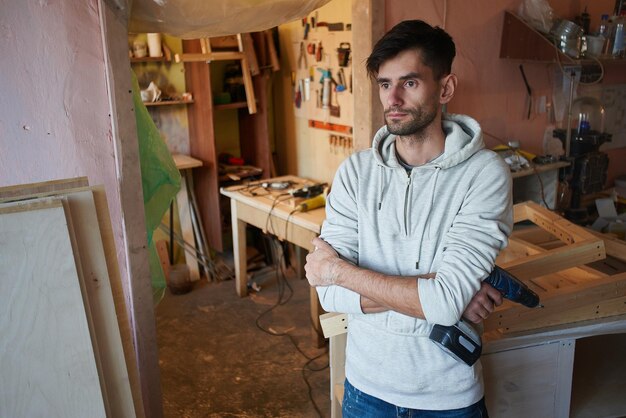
x=570 y=294
x=551 y=266
x=240 y=55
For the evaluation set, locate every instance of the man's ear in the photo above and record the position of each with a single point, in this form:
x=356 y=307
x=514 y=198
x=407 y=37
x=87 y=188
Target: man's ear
x=448 y=87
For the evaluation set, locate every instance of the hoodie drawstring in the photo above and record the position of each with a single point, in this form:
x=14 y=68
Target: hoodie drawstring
x=381 y=188
x=432 y=196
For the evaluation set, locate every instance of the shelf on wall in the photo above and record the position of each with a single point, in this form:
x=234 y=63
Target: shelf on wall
x=165 y=57
x=522 y=41
x=168 y=103
x=148 y=59
x=233 y=105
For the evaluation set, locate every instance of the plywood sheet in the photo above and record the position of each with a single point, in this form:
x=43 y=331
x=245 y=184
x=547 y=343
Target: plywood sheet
x=47 y=363
x=126 y=333
x=11 y=192
x=102 y=291
x=98 y=292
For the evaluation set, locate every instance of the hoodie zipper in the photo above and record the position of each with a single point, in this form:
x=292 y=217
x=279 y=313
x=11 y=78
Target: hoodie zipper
x=406 y=204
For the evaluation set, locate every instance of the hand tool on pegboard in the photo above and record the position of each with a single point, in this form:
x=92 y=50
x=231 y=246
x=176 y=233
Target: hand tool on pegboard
x=302 y=60
x=344 y=129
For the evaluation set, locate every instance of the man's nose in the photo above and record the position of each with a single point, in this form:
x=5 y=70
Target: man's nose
x=394 y=97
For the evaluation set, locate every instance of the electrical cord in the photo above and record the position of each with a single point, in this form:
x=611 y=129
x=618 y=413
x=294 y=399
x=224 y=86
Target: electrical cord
x=285 y=291
x=535 y=171
x=283 y=284
x=269 y=221
x=543 y=195
x=297 y=209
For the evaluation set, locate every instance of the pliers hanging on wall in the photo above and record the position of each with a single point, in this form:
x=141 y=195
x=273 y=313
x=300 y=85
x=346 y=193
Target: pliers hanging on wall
x=302 y=61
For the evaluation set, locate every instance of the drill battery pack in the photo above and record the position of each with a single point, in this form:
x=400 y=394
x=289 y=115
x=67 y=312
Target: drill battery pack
x=460 y=340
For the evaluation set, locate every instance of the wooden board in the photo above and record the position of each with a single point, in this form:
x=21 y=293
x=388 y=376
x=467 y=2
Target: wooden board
x=121 y=310
x=10 y=192
x=529 y=382
x=184 y=214
x=164 y=259
x=47 y=363
x=184 y=162
x=105 y=297
x=101 y=306
x=579 y=246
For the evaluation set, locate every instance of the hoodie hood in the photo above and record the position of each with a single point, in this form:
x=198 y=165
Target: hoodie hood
x=464 y=138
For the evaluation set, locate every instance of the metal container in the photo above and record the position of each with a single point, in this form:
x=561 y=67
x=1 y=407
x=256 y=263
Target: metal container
x=568 y=37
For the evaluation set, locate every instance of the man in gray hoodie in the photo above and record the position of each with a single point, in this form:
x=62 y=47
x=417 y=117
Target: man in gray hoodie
x=413 y=226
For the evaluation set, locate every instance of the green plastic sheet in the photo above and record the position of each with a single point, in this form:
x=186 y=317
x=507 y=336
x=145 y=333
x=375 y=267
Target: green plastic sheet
x=160 y=181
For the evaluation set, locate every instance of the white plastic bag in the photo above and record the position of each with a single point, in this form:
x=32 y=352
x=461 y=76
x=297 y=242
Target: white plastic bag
x=537 y=13
x=190 y=19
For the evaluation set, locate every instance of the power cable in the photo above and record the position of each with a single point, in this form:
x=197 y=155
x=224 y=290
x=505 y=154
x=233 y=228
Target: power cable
x=535 y=171
x=283 y=284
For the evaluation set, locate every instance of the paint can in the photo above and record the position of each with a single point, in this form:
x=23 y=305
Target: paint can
x=179 y=282
x=154 y=45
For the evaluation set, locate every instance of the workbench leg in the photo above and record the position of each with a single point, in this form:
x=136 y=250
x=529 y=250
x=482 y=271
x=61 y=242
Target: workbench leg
x=300 y=255
x=239 y=251
x=337 y=365
x=316 y=308
x=316 y=311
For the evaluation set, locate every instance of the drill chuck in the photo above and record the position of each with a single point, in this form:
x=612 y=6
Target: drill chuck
x=512 y=288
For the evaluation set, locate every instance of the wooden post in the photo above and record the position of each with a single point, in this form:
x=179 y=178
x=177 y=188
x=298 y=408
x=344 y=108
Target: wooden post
x=202 y=145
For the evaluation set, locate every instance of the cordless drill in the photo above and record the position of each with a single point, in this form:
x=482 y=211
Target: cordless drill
x=461 y=340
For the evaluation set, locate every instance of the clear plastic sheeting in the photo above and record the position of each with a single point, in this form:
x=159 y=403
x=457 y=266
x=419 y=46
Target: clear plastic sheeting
x=191 y=19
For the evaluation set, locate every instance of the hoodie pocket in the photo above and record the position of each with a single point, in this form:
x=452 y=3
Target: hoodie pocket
x=394 y=323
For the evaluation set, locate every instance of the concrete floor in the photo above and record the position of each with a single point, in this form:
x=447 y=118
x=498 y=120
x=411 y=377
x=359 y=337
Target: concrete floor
x=216 y=362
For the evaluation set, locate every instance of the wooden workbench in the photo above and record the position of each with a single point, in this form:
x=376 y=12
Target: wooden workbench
x=275 y=216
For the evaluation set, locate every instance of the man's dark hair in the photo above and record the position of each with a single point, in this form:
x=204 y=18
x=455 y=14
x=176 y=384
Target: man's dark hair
x=436 y=46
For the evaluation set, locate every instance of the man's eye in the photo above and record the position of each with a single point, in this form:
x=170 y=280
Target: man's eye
x=410 y=83
x=384 y=86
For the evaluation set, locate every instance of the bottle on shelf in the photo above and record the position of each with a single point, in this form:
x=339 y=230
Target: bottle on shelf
x=603 y=28
x=585 y=21
x=618 y=38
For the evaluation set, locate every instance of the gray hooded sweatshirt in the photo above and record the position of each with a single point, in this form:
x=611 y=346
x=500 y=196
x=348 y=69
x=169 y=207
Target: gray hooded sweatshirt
x=451 y=216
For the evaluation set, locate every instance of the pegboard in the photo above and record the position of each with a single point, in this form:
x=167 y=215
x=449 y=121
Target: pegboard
x=309 y=68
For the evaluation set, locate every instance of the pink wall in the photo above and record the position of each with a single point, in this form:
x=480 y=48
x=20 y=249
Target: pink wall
x=54 y=115
x=491 y=89
x=55 y=122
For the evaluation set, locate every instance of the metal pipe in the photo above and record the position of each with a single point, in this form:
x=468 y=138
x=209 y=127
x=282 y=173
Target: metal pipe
x=568 y=132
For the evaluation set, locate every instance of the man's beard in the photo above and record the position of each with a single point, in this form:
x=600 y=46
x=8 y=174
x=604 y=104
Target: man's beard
x=420 y=119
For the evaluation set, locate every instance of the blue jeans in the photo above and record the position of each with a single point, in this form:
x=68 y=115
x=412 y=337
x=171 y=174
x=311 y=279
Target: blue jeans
x=357 y=404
